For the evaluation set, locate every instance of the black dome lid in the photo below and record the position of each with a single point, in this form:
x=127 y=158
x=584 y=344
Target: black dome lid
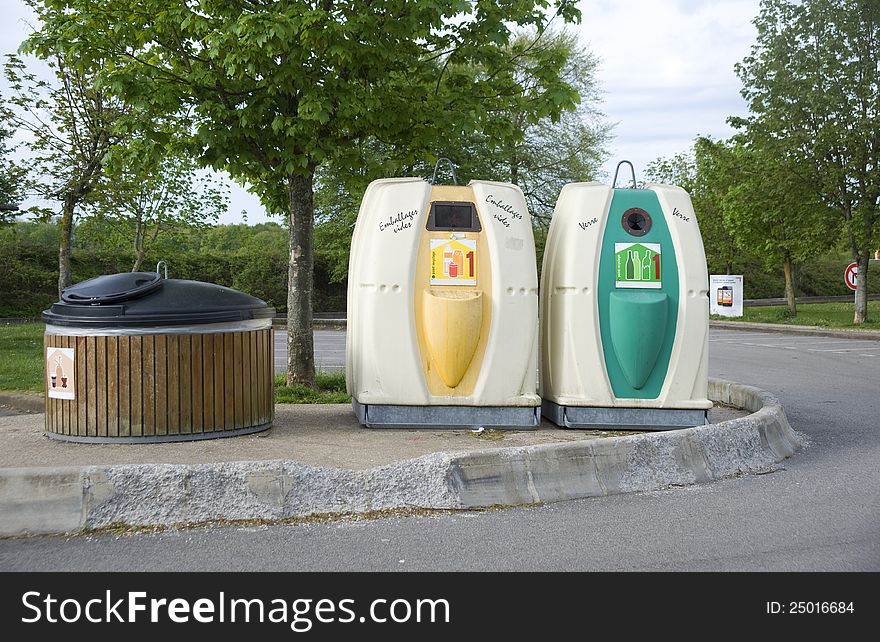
x=112 y=288
x=142 y=299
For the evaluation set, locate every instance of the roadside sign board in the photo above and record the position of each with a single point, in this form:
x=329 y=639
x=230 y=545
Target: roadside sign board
x=849 y=277
x=726 y=295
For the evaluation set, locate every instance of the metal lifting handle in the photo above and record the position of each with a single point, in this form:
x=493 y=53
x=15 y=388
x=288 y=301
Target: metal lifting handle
x=451 y=169
x=614 y=182
x=162 y=264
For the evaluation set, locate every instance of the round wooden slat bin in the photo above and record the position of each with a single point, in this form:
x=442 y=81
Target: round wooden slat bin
x=135 y=358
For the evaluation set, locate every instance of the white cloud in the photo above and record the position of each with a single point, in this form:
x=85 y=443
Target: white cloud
x=667 y=70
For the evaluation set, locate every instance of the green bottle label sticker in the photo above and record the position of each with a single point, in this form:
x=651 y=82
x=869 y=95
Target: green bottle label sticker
x=637 y=265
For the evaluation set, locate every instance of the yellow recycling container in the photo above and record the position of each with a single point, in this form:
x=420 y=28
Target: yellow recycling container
x=443 y=307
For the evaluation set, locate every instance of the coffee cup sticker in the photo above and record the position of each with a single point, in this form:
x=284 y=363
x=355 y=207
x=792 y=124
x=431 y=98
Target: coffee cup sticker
x=60 y=367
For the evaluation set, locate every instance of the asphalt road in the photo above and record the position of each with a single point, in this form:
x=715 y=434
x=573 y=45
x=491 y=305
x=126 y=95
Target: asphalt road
x=819 y=511
x=329 y=351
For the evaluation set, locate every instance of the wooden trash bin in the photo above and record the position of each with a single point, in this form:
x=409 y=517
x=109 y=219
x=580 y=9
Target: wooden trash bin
x=133 y=358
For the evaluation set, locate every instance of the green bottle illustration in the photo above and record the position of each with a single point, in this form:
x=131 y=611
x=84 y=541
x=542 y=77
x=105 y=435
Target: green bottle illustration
x=646 y=266
x=630 y=269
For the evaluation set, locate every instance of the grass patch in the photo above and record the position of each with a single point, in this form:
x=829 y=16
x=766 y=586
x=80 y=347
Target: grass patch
x=329 y=388
x=826 y=315
x=21 y=357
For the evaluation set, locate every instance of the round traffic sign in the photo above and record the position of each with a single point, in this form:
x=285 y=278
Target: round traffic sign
x=849 y=277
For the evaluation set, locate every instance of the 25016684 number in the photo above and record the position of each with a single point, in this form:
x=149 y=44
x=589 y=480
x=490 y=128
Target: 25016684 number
x=808 y=608
x=820 y=607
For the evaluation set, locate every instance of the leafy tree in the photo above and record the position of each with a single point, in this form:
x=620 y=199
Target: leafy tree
x=12 y=174
x=336 y=207
x=813 y=89
x=72 y=127
x=770 y=211
x=546 y=152
x=25 y=282
x=549 y=148
x=150 y=195
x=227 y=239
x=697 y=172
x=749 y=203
x=551 y=151
x=262 y=264
x=277 y=90
x=37 y=233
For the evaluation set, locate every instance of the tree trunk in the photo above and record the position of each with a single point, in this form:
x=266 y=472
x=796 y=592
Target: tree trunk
x=138 y=246
x=789 y=285
x=138 y=260
x=861 y=312
x=65 y=278
x=300 y=344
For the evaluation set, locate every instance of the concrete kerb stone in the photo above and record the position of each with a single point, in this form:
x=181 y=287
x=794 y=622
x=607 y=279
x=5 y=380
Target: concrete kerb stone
x=58 y=500
x=41 y=500
x=806 y=330
x=642 y=462
x=166 y=494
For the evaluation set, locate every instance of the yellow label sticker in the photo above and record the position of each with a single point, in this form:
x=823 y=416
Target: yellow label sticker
x=59 y=373
x=453 y=262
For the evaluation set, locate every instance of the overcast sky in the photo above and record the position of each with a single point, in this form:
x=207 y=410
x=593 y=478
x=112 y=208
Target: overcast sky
x=667 y=72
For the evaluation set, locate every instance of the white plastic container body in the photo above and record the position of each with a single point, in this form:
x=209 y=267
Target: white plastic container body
x=383 y=360
x=573 y=371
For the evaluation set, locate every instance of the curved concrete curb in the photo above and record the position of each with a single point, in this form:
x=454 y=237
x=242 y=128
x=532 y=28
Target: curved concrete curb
x=806 y=330
x=642 y=462
x=58 y=500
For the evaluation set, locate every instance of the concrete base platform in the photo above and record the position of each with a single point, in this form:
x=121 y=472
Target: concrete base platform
x=320 y=435
x=447 y=417
x=624 y=418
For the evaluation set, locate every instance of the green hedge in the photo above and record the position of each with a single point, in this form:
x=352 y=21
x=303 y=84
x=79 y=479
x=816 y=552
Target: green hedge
x=28 y=280
x=255 y=261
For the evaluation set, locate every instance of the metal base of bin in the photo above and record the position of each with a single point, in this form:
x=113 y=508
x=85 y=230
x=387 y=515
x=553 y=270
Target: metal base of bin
x=448 y=417
x=153 y=439
x=624 y=418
